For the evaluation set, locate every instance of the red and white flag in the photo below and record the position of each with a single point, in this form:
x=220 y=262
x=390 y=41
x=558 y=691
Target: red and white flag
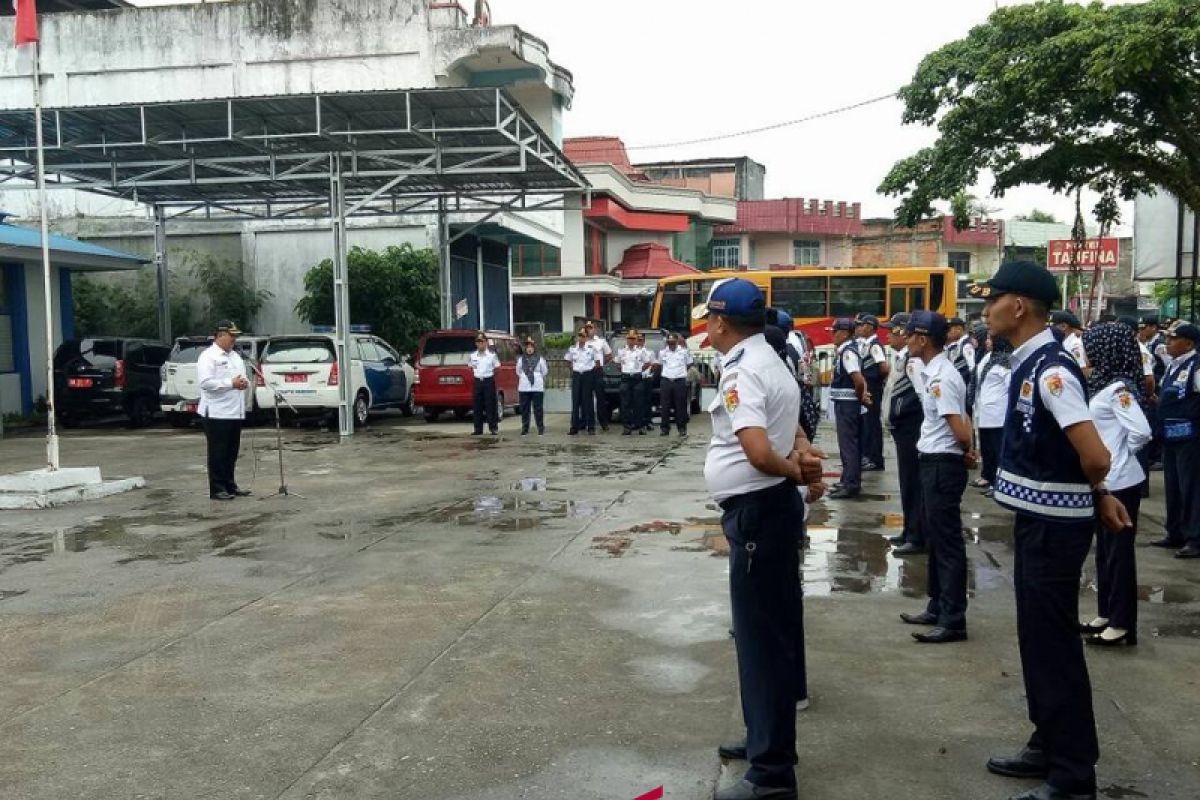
x=27 y=31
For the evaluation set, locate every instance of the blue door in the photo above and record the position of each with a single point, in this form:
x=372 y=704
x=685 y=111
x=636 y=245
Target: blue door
x=375 y=372
x=397 y=380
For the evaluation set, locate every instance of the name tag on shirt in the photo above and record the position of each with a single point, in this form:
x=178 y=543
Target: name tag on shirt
x=1025 y=398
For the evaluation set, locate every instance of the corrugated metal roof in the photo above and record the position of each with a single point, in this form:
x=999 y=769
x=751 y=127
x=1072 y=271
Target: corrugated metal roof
x=63 y=249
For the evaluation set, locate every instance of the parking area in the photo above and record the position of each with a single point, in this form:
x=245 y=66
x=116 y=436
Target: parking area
x=448 y=616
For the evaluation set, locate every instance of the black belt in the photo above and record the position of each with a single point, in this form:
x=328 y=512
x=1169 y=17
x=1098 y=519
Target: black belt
x=630 y=377
x=759 y=495
x=939 y=458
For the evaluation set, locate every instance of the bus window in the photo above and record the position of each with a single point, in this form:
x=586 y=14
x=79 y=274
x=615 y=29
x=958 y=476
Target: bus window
x=799 y=297
x=851 y=296
x=676 y=310
x=937 y=291
x=916 y=299
x=896 y=297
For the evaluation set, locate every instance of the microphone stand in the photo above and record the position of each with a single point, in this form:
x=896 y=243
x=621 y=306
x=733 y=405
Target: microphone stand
x=283 y=490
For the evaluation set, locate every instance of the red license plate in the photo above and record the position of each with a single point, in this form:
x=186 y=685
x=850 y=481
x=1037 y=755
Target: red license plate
x=296 y=377
x=79 y=383
x=191 y=407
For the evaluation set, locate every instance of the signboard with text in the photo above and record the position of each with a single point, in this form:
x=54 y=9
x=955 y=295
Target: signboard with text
x=1066 y=254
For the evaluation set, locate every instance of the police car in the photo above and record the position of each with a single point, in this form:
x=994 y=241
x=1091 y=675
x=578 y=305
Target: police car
x=304 y=369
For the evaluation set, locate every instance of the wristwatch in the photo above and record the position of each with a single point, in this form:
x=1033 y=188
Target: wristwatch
x=1100 y=491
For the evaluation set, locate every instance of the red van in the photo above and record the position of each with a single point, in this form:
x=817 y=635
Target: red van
x=444 y=381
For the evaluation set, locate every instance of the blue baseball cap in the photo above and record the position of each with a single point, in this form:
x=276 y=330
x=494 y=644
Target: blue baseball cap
x=1185 y=330
x=783 y=320
x=867 y=319
x=733 y=297
x=841 y=325
x=899 y=320
x=928 y=323
x=1024 y=278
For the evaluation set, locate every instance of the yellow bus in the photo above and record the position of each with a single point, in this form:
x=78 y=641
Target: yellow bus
x=814 y=296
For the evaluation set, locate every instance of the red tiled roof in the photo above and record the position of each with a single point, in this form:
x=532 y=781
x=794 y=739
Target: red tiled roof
x=795 y=215
x=650 y=260
x=601 y=150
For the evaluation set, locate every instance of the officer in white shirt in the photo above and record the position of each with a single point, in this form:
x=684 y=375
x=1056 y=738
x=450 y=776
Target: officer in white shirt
x=757 y=458
x=222 y=376
x=944 y=452
x=959 y=349
x=484 y=363
x=604 y=355
x=849 y=397
x=904 y=414
x=1179 y=423
x=1071 y=328
x=633 y=359
x=991 y=407
x=531 y=386
x=583 y=359
x=673 y=362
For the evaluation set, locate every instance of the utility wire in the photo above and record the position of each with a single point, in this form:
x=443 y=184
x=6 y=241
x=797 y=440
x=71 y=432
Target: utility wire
x=765 y=128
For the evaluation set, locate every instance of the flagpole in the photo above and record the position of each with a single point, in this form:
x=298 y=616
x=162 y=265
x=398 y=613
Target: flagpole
x=51 y=434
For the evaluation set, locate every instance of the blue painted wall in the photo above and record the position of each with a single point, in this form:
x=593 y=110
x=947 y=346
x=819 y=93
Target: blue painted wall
x=14 y=281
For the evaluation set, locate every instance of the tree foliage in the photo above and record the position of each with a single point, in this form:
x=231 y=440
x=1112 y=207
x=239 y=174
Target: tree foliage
x=1063 y=95
x=1037 y=215
x=395 y=292
x=224 y=293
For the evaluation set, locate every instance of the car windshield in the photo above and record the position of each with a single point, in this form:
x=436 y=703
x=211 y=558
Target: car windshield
x=299 y=351
x=187 y=352
x=99 y=353
x=447 y=351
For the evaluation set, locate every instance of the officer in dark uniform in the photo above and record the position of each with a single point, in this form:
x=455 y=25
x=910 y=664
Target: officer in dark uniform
x=1179 y=426
x=1052 y=470
x=848 y=394
x=875 y=372
x=904 y=421
x=757 y=459
x=1152 y=338
x=959 y=349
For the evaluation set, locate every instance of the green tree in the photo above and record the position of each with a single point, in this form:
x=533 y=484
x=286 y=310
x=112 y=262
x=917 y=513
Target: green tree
x=1063 y=95
x=226 y=293
x=109 y=309
x=395 y=292
x=1165 y=291
x=1037 y=215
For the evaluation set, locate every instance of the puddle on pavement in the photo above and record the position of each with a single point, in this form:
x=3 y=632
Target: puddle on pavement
x=617 y=543
x=508 y=514
x=1168 y=594
x=1121 y=792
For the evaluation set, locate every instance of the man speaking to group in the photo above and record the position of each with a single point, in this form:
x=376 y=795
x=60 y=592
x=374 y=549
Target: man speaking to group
x=222 y=377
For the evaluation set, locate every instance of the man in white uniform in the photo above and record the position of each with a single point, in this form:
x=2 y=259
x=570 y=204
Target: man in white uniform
x=604 y=354
x=673 y=360
x=1072 y=330
x=222 y=376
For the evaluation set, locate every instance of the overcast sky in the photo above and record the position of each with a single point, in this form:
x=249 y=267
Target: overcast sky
x=655 y=71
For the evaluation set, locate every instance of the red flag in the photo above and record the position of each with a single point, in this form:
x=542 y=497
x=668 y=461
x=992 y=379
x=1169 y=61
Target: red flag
x=27 y=31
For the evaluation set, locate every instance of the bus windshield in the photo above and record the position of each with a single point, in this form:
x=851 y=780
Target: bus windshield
x=675 y=312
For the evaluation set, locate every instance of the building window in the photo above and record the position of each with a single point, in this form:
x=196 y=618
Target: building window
x=806 y=252
x=635 y=311
x=959 y=262
x=543 y=308
x=858 y=295
x=536 y=261
x=726 y=253
x=595 y=251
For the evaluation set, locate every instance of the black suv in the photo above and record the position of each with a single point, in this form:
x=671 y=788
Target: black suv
x=108 y=375
x=656 y=340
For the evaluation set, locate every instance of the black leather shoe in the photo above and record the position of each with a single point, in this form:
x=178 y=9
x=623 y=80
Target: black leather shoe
x=745 y=790
x=1126 y=638
x=940 y=636
x=908 y=549
x=1189 y=551
x=664 y=433
x=1088 y=628
x=220 y=496
x=924 y=618
x=241 y=493
x=733 y=750
x=627 y=432
x=842 y=493
x=1166 y=543
x=1048 y=792
x=897 y=539
x=1028 y=763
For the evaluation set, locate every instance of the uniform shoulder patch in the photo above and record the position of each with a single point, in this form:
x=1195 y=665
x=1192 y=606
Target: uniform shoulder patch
x=1053 y=383
x=935 y=388
x=1125 y=398
x=730 y=398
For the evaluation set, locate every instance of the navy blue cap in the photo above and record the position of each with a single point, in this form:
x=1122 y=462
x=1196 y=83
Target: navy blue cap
x=841 y=325
x=227 y=326
x=1149 y=319
x=733 y=297
x=898 y=320
x=929 y=323
x=1185 y=330
x=956 y=321
x=1060 y=317
x=1128 y=322
x=1025 y=278
x=867 y=319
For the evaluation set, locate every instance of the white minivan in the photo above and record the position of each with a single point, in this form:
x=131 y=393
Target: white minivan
x=180 y=390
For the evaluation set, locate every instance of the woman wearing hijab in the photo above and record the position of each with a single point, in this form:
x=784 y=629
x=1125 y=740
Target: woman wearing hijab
x=531 y=385
x=1112 y=352
x=991 y=405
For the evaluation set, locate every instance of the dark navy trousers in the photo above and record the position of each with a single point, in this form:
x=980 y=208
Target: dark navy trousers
x=849 y=436
x=943 y=481
x=768 y=626
x=905 y=434
x=871 y=441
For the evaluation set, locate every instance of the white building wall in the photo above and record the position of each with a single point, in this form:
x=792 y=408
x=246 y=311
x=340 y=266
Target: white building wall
x=572 y=247
x=572 y=306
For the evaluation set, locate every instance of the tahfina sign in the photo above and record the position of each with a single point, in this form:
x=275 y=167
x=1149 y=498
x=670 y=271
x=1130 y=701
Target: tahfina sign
x=1066 y=254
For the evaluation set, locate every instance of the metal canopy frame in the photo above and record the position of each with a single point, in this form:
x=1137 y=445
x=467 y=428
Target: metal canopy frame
x=423 y=151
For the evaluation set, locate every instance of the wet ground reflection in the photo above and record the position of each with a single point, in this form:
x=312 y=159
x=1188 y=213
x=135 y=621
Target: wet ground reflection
x=511 y=513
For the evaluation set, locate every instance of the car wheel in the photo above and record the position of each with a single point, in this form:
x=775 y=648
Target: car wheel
x=180 y=420
x=432 y=414
x=140 y=412
x=500 y=409
x=362 y=408
x=406 y=408
x=67 y=420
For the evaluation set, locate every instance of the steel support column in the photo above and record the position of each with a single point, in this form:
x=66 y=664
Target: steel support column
x=162 y=277
x=341 y=297
x=447 y=303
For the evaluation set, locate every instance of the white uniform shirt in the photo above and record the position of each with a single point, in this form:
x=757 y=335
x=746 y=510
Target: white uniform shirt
x=483 y=365
x=945 y=393
x=756 y=391
x=215 y=371
x=540 y=370
x=1124 y=429
x=633 y=360
x=968 y=351
x=1061 y=393
x=1074 y=345
x=1147 y=361
x=674 y=362
x=991 y=402
x=851 y=361
x=583 y=357
x=601 y=347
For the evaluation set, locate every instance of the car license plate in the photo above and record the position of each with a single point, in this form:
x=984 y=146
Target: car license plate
x=191 y=408
x=79 y=383
x=450 y=379
x=296 y=377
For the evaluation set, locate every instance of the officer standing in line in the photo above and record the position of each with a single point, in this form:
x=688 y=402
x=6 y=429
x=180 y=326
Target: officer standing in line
x=1072 y=330
x=647 y=377
x=582 y=358
x=904 y=417
x=944 y=453
x=221 y=374
x=604 y=355
x=673 y=362
x=875 y=368
x=756 y=459
x=959 y=349
x=633 y=359
x=1179 y=421
x=848 y=395
x=1154 y=343
x=1052 y=469
x=484 y=363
